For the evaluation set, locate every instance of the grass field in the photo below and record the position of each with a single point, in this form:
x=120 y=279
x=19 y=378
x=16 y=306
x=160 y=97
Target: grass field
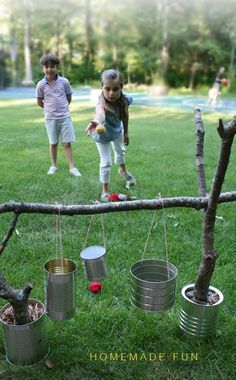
x=97 y=343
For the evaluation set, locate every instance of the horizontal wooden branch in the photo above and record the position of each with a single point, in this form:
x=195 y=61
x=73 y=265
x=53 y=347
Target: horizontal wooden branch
x=197 y=203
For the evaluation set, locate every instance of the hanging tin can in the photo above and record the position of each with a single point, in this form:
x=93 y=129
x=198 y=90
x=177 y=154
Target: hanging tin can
x=153 y=285
x=94 y=261
x=60 y=289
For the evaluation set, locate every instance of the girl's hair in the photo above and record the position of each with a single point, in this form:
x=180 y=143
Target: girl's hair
x=49 y=58
x=120 y=108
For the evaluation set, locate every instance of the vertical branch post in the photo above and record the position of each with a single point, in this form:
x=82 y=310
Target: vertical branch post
x=209 y=255
x=200 y=152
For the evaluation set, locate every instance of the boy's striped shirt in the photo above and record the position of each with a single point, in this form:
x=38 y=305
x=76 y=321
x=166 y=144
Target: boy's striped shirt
x=55 y=97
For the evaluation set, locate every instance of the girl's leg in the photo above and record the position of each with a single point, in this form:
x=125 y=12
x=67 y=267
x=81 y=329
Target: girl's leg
x=53 y=154
x=105 y=165
x=69 y=155
x=119 y=151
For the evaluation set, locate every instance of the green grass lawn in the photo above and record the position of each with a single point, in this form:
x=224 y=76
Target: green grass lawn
x=161 y=155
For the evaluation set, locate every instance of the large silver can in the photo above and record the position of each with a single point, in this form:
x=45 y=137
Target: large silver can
x=60 y=289
x=153 y=285
x=197 y=319
x=26 y=344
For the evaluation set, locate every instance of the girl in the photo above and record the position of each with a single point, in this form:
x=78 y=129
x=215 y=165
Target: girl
x=112 y=112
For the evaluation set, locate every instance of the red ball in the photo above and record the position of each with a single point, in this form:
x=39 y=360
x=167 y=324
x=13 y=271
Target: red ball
x=95 y=287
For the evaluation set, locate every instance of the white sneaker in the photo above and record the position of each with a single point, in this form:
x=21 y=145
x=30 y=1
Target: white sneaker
x=52 y=170
x=75 y=172
x=130 y=180
x=105 y=197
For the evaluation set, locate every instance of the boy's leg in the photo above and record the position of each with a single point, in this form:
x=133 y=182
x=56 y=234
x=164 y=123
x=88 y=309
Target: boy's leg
x=67 y=137
x=53 y=154
x=69 y=155
x=105 y=165
x=68 y=152
x=53 y=136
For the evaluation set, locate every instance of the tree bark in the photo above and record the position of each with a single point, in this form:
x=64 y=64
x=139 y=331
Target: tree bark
x=18 y=208
x=209 y=257
x=28 y=80
x=9 y=232
x=200 y=153
x=197 y=203
x=18 y=298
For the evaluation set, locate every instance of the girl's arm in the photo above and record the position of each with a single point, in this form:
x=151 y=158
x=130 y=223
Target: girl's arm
x=99 y=119
x=126 y=135
x=128 y=101
x=100 y=114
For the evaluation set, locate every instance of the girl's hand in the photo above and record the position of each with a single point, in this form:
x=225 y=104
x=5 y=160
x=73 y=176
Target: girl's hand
x=126 y=139
x=91 y=128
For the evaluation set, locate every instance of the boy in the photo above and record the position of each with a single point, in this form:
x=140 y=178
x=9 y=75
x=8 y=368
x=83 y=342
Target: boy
x=54 y=96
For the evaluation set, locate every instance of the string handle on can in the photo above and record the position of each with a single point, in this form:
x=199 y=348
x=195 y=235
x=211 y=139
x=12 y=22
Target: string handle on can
x=164 y=235
x=59 y=236
x=148 y=235
x=89 y=228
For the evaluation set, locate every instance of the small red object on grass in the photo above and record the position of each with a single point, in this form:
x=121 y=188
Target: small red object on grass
x=95 y=287
x=117 y=197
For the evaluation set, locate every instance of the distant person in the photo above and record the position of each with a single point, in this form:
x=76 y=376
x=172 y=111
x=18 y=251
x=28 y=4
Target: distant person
x=111 y=121
x=215 y=90
x=54 y=95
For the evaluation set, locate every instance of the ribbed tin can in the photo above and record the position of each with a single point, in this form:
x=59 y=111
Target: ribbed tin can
x=153 y=285
x=95 y=263
x=60 y=289
x=199 y=319
x=27 y=344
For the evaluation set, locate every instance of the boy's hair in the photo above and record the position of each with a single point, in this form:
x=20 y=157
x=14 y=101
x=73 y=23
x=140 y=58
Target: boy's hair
x=49 y=58
x=112 y=74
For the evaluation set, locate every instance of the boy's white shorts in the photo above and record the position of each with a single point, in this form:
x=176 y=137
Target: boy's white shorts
x=60 y=128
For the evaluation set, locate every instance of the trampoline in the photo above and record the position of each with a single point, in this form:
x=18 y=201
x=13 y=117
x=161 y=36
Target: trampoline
x=225 y=105
x=86 y=94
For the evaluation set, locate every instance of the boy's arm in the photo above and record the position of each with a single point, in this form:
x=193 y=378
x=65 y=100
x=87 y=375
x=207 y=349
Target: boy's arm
x=40 y=95
x=69 y=98
x=40 y=102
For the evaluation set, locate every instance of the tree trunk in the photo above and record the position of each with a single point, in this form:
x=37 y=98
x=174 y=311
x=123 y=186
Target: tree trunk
x=28 y=79
x=164 y=8
x=209 y=257
x=14 y=52
x=232 y=59
x=18 y=300
x=88 y=49
x=200 y=153
x=192 y=77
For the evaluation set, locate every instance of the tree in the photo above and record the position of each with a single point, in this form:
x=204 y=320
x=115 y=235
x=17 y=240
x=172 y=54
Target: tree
x=28 y=78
